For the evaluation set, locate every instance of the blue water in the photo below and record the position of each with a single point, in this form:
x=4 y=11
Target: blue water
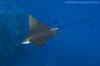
x=76 y=45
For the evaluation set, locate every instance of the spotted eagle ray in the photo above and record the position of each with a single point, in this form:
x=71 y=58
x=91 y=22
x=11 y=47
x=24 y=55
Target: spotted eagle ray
x=39 y=33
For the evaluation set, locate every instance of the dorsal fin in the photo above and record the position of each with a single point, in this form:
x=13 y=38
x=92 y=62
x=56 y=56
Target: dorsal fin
x=36 y=26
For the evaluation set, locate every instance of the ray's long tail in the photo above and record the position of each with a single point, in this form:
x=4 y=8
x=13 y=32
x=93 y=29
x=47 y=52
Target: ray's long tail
x=79 y=22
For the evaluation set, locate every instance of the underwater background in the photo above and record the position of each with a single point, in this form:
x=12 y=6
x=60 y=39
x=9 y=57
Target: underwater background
x=75 y=45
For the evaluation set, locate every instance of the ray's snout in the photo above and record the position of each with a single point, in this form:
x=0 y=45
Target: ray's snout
x=54 y=30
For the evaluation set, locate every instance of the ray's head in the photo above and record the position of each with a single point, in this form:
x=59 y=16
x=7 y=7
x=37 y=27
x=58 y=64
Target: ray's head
x=54 y=30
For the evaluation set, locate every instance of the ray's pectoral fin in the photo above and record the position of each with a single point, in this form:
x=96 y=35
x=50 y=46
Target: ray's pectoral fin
x=36 y=42
x=36 y=26
x=40 y=39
